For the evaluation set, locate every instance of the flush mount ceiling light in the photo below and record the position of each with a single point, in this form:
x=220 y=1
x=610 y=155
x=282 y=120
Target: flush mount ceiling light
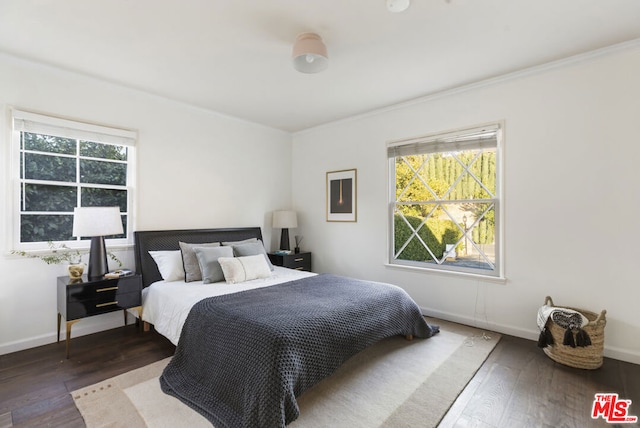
x=398 y=5
x=309 y=53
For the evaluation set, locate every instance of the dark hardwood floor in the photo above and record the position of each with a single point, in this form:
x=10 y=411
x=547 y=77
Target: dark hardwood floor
x=518 y=386
x=35 y=383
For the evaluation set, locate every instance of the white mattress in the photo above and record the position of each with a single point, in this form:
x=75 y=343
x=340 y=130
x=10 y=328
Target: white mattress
x=167 y=304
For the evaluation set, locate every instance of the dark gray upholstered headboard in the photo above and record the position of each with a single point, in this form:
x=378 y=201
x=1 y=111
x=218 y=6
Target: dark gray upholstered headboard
x=165 y=240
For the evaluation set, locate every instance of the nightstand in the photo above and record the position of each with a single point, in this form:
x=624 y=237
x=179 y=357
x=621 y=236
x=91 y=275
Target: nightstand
x=300 y=261
x=86 y=297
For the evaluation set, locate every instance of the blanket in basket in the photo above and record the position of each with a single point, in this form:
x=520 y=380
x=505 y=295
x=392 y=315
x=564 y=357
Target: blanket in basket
x=566 y=318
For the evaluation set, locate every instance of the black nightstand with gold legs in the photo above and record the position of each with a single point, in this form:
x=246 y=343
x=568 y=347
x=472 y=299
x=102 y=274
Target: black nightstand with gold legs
x=84 y=297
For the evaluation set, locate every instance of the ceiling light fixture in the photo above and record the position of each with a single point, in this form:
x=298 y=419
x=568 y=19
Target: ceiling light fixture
x=309 y=53
x=398 y=5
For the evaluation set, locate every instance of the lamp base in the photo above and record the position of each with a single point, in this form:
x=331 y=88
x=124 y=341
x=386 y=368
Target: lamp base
x=98 y=265
x=284 y=240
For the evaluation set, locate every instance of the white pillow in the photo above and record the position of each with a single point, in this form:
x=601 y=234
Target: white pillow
x=169 y=264
x=251 y=249
x=240 y=269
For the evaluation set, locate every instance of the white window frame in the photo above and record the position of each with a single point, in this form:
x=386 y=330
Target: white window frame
x=50 y=125
x=451 y=141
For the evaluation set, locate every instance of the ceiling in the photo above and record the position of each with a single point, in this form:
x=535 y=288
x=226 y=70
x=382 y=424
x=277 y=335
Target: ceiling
x=233 y=56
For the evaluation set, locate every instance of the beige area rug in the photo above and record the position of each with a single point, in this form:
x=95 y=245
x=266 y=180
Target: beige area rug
x=395 y=383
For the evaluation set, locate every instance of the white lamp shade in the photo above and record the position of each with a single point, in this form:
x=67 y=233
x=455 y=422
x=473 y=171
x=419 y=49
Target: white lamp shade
x=284 y=219
x=97 y=221
x=309 y=53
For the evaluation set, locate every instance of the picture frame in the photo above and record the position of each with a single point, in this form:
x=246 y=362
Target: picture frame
x=342 y=195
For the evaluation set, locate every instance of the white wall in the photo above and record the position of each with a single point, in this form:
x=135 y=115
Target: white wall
x=572 y=221
x=570 y=233
x=195 y=169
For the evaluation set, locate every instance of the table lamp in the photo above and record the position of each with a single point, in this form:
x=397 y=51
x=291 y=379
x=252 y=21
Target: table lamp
x=284 y=220
x=96 y=223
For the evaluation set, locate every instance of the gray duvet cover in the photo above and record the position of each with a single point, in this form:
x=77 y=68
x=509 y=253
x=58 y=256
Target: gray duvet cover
x=243 y=358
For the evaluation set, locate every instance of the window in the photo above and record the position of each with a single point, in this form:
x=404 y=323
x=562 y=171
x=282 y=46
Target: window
x=60 y=164
x=445 y=201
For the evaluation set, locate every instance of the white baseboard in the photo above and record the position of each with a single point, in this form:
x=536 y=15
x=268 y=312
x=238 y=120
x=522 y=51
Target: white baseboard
x=616 y=353
x=32 y=342
x=107 y=323
x=621 y=354
x=104 y=322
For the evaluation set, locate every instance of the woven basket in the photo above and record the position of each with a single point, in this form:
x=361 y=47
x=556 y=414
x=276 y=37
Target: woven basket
x=588 y=357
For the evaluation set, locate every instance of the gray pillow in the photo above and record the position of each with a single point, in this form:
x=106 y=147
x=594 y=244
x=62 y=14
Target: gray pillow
x=252 y=249
x=244 y=241
x=190 y=262
x=208 y=262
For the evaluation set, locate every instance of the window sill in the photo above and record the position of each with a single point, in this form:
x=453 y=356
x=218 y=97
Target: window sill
x=494 y=279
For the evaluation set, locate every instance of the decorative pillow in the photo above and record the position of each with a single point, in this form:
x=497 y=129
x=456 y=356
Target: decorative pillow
x=240 y=269
x=244 y=241
x=208 y=262
x=169 y=264
x=251 y=249
x=190 y=262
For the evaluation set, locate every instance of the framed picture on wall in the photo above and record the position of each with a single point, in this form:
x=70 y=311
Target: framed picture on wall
x=341 y=195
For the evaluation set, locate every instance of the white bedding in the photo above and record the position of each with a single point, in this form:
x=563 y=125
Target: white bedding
x=167 y=304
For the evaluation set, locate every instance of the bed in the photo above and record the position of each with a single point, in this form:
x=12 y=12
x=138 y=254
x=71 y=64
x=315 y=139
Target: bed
x=246 y=350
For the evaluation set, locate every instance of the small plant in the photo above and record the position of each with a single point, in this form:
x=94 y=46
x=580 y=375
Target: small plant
x=59 y=254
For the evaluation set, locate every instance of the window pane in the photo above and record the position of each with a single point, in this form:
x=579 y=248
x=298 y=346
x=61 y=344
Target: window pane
x=92 y=197
x=479 y=244
x=47 y=167
x=48 y=143
x=443 y=240
x=42 y=228
x=476 y=173
x=424 y=243
x=100 y=172
x=103 y=151
x=411 y=182
x=409 y=237
x=49 y=198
